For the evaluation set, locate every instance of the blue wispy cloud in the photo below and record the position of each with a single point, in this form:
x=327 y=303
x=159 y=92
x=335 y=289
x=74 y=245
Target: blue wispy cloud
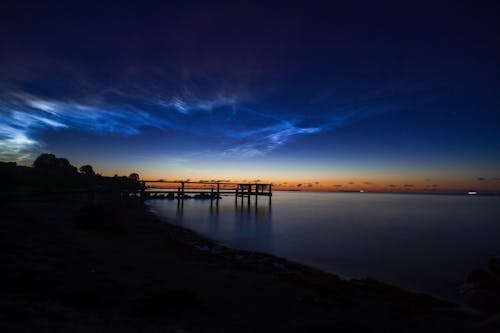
x=187 y=105
x=258 y=142
x=242 y=132
x=261 y=140
x=23 y=116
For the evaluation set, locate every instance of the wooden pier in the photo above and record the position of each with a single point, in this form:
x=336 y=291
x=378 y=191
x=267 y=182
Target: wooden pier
x=212 y=191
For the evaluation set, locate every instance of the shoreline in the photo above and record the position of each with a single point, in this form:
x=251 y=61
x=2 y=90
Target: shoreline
x=401 y=255
x=118 y=266
x=259 y=257
x=210 y=246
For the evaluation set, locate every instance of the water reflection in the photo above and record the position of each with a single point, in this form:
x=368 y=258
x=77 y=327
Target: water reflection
x=213 y=218
x=254 y=223
x=180 y=211
x=422 y=242
x=240 y=225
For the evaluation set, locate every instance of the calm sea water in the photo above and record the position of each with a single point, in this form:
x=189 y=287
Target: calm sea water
x=422 y=242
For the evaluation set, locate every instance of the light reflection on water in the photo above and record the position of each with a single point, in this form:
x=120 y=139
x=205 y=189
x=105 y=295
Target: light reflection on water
x=422 y=242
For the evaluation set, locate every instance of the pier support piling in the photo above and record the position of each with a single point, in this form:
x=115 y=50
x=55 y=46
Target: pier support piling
x=249 y=193
x=270 y=193
x=218 y=192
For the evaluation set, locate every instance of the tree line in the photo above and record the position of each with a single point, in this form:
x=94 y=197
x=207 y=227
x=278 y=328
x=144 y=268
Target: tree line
x=49 y=171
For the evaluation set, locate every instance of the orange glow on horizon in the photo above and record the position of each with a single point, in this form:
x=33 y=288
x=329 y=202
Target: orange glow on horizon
x=334 y=181
x=325 y=185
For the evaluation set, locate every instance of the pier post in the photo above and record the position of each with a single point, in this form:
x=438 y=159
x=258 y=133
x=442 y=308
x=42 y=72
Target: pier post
x=236 y=196
x=178 y=198
x=249 y=193
x=256 y=194
x=211 y=195
x=218 y=191
x=182 y=190
x=270 y=193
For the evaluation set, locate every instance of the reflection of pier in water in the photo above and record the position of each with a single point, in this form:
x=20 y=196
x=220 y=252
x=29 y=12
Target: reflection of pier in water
x=180 y=190
x=248 y=224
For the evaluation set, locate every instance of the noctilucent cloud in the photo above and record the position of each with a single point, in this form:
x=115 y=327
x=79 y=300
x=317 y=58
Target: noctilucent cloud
x=381 y=97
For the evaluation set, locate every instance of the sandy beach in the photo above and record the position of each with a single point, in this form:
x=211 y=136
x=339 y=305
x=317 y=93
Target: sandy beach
x=114 y=266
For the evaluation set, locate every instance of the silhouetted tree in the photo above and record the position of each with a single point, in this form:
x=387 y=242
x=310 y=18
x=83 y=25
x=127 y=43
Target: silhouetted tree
x=45 y=162
x=52 y=173
x=63 y=164
x=87 y=170
x=50 y=163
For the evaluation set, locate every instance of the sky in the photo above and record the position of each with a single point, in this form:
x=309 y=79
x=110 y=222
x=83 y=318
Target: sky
x=375 y=96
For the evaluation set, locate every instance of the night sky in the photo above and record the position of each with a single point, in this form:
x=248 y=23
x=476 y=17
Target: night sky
x=373 y=96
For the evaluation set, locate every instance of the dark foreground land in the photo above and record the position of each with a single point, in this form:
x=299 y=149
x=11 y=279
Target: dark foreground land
x=112 y=266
